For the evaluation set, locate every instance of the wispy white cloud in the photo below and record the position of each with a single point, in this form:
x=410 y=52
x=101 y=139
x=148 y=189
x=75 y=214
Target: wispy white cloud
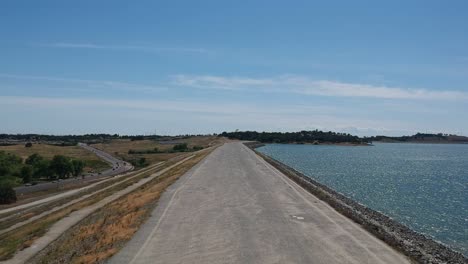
x=308 y=86
x=90 y=84
x=142 y=48
x=202 y=116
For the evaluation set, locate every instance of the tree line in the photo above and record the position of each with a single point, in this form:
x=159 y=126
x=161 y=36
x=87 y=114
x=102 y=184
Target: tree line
x=439 y=137
x=315 y=136
x=14 y=170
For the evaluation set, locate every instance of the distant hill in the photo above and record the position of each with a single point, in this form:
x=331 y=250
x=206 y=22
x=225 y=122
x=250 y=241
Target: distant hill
x=422 y=138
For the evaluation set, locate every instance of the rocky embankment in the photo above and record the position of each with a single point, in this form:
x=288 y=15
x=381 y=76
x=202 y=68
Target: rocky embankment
x=416 y=246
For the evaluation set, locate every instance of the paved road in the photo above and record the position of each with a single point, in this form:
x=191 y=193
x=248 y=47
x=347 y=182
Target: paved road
x=233 y=207
x=117 y=167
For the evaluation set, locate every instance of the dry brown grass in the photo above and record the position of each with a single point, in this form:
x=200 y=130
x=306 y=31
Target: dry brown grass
x=103 y=233
x=23 y=237
x=120 y=147
x=20 y=238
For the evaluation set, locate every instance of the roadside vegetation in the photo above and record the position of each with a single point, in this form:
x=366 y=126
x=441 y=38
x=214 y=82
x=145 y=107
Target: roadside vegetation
x=103 y=233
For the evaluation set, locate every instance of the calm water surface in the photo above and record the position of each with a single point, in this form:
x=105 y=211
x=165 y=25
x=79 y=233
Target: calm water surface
x=424 y=186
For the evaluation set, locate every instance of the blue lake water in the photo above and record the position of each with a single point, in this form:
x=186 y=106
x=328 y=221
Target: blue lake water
x=424 y=186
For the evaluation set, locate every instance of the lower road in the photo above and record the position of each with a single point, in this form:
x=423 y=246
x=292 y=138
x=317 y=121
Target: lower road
x=118 y=166
x=233 y=207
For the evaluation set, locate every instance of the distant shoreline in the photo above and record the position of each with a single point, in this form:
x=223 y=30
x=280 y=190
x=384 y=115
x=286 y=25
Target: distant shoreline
x=317 y=137
x=350 y=144
x=346 y=144
x=423 y=142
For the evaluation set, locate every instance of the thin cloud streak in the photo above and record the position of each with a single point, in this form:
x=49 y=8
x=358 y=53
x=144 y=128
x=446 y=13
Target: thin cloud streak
x=163 y=105
x=308 y=86
x=92 y=84
x=66 y=45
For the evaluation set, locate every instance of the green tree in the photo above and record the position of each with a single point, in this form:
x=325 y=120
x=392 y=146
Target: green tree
x=10 y=164
x=5 y=166
x=26 y=173
x=61 y=166
x=42 y=169
x=195 y=148
x=180 y=147
x=28 y=145
x=7 y=194
x=34 y=159
x=77 y=167
x=142 y=161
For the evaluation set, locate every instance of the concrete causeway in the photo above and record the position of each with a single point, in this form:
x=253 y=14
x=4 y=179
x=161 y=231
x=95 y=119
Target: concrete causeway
x=233 y=207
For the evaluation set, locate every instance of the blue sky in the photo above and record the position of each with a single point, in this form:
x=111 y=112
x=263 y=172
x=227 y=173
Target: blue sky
x=172 y=67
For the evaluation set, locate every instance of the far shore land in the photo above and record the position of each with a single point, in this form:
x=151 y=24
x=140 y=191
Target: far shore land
x=424 y=142
x=317 y=137
x=350 y=144
x=367 y=144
